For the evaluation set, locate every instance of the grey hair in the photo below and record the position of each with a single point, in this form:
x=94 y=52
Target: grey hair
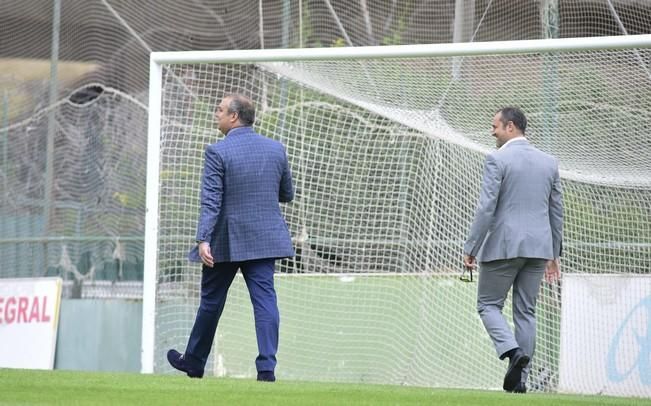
x=244 y=108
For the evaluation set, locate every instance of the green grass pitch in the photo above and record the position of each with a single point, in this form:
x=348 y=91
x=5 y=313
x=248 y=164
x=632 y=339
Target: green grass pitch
x=33 y=387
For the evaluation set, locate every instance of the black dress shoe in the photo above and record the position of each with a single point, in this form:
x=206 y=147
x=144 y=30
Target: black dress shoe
x=266 y=376
x=521 y=387
x=177 y=360
x=517 y=363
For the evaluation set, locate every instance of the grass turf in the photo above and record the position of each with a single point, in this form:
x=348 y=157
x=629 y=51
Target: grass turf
x=34 y=387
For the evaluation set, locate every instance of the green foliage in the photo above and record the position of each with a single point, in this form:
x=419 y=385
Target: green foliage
x=180 y=183
x=339 y=43
x=395 y=37
x=601 y=228
x=203 y=117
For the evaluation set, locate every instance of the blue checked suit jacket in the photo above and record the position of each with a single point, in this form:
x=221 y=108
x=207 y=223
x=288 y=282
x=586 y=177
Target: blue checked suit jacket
x=245 y=176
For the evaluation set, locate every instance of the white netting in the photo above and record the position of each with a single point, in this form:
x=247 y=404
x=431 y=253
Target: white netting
x=106 y=43
x=387 y=157
x=96 y=198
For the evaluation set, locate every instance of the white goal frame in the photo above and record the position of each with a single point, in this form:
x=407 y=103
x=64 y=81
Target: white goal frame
x=158 y=59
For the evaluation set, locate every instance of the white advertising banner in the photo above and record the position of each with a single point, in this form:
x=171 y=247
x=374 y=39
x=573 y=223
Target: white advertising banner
x=606 y=335
x=29 y=317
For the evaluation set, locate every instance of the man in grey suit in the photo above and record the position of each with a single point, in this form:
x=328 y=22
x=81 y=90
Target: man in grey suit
x=516 y=234
x=241 y=227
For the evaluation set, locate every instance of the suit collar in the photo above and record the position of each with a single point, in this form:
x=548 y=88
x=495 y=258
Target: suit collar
x=516 y=140
x=239 y=131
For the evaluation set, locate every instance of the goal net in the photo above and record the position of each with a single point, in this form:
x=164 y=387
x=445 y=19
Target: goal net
x=387 y=146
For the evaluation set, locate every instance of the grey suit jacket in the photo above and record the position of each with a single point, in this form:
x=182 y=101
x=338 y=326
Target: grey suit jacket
x=520 y=210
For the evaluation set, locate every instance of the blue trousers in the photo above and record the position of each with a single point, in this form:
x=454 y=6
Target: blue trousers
x=258 y=275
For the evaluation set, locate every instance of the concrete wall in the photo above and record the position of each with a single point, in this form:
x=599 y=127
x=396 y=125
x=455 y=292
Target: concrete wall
x=99 y=335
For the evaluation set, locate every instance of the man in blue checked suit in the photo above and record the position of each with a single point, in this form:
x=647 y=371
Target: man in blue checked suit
x=516 y=234
x=241 y=226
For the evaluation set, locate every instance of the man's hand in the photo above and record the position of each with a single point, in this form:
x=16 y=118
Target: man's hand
x=469 y=261
x=204 y=253
x=553 y=270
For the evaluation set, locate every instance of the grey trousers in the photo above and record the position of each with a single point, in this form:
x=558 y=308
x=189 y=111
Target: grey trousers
x=495 y=280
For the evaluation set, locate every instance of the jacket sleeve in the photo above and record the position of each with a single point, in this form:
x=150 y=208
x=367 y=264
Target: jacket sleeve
x=286 y=193
x=212 y=188
x=488 y=197
x=556 y=214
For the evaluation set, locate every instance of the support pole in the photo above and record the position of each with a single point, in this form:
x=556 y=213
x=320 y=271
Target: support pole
x=551 y=87
x=51 y=129
x=464 y=12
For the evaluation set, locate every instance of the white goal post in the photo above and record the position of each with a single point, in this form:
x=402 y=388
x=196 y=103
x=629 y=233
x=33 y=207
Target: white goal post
x=386 y=146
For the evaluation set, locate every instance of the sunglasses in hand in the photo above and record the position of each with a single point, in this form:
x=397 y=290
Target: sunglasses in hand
x=466 y=275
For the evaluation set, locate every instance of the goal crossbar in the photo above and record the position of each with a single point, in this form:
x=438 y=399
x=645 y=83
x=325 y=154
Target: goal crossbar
x=406 y=51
